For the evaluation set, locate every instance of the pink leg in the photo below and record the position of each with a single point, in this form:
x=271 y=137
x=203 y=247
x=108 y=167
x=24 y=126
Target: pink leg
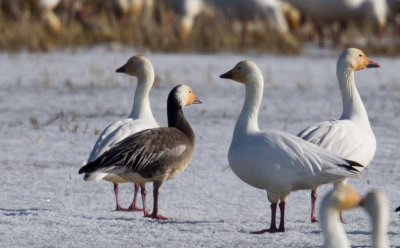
x=272 y=227
x=133 y=207
x=282 y=206
x=143 y=193
x=118 y=208
x=313 y=199
x=155 y=214
x=341 y=218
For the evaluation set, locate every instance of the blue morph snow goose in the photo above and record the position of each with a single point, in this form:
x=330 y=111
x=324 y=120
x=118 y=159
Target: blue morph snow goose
x=351 y=136
x=139 y=119
x=275 y=161
x=153 y=155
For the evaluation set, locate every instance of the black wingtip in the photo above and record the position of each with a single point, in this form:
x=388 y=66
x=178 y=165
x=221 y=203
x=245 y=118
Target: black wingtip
x=397 y=209
x=84 y=169
x=352 y=166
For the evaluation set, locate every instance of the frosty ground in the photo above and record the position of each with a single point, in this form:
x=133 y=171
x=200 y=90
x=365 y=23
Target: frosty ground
x=54 y=104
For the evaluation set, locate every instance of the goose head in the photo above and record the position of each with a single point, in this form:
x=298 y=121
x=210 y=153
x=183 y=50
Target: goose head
x=183 y=95
x=344 y=197
x=137 y=66
x=244 y=72
x=376 y=204
x=356 y=59
x=374 y=200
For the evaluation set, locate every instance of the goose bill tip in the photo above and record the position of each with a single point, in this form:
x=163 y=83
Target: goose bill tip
x=121 y=69
x=227 y=75
x=372 y=64
x=197 y=100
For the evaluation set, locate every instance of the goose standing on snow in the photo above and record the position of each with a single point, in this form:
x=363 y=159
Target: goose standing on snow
x=351 y=136
x=153 y=155
x=139 y=119
x=276 y=161
x=345 y=197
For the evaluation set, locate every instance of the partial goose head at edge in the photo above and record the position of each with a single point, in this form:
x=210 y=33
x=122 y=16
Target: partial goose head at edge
x=344 y=197
x=376 y=204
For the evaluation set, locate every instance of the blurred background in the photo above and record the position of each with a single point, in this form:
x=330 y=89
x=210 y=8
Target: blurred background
x=281 y=26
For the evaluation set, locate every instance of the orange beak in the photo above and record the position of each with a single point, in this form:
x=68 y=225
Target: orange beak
x=372 y=64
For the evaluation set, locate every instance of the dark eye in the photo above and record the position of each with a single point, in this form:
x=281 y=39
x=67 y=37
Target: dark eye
x=360 y=55
x=239 y=67
x=190 y=91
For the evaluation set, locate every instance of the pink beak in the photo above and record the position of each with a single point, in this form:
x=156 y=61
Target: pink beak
x=372 y=64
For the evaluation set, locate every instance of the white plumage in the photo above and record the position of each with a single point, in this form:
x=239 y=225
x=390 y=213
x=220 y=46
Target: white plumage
x=139 y=119
x=351 y=136
x=275 y=161
x=345 y=197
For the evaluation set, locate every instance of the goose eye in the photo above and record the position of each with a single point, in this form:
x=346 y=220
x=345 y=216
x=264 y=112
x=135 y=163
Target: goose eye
x=190 y=92
x=239 y=67
x=360 y=55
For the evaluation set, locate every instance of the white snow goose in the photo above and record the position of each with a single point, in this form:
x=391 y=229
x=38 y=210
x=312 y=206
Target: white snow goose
x=345 y=197
x=351 y=136
x=153 y=155
x=139 y=119
x=276 y=161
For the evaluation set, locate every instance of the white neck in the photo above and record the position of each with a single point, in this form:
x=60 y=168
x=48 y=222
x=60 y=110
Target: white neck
x=248 y=119
x=334 y=234
x=353 y=107
x=141 y=104
x=380 y=221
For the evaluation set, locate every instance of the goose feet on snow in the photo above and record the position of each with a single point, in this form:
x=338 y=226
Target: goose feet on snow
x=156 y=216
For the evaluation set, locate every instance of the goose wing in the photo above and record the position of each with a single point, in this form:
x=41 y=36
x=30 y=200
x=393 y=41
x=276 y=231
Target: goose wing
x=140 y=151
x=342 y=137
x=116 y=132
x=306 y=158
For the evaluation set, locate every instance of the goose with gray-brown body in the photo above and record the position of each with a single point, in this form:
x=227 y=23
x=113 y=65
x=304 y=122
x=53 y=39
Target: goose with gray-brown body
x=153 y=155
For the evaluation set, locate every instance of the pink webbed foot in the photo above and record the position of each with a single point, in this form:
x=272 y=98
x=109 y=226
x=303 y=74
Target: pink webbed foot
x=119 y=208
x=134 y=208
x=146 y=213
x=314 y=219
x=156 y=216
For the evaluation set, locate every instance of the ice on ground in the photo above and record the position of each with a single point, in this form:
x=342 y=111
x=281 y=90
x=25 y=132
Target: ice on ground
x=54 y=104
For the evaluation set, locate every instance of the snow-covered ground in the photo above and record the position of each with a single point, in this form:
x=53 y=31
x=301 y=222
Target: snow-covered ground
x=52 y=106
